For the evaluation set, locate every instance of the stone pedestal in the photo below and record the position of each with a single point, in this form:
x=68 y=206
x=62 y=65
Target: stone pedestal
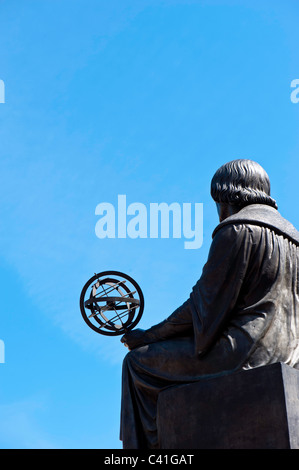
x=253 y=409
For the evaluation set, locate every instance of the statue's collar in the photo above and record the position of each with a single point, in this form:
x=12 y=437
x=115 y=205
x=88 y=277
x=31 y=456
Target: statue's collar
x=265 y=216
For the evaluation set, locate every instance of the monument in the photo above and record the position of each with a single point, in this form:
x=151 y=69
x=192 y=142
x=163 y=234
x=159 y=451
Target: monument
x=240 y=324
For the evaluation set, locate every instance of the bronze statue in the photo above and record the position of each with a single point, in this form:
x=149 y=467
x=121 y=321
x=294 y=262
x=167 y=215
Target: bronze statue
x=242 y=313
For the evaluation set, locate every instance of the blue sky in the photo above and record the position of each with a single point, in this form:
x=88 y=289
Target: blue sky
x=145 y=98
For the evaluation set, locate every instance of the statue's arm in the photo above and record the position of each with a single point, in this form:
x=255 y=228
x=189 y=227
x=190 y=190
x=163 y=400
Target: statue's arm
x=213 y=297
x=177 y=324
x=216 y=295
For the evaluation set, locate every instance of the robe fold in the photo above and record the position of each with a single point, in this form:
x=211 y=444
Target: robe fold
x=242 y=313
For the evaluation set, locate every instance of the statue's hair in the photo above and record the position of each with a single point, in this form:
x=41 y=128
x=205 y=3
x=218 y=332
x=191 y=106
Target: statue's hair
x=242 y=182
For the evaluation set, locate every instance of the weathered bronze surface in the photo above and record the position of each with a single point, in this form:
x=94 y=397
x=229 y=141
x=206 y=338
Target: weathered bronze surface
x=242 y=313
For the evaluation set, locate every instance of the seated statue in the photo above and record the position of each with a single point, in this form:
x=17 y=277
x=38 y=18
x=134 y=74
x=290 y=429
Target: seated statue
x=242 y=313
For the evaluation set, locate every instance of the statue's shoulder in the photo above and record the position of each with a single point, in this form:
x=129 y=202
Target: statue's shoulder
x=264 y=216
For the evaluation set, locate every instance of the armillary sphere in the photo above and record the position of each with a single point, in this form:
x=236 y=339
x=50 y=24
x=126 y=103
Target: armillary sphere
x=111 y=303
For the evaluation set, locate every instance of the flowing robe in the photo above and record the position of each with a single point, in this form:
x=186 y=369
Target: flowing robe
x=242 y=313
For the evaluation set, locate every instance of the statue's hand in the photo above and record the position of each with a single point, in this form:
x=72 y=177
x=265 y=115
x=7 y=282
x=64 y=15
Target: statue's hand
x=134 y=338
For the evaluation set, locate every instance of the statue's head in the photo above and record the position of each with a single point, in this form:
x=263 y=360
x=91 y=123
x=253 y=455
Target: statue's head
x=239 y=183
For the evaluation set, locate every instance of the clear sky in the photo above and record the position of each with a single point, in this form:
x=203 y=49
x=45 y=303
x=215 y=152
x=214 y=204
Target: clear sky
x=143 y=98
